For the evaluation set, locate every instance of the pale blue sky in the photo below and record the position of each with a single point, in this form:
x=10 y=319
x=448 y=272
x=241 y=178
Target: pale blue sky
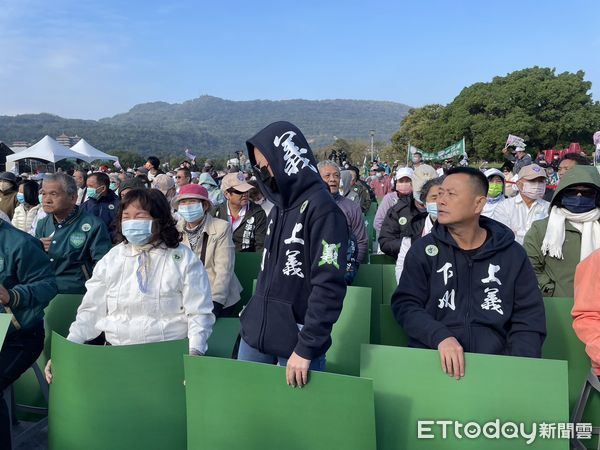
x=92 y=59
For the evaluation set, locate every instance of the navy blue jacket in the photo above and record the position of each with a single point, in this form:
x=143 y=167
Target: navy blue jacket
x=490 y=301
x=105 y=208
x=301 y=283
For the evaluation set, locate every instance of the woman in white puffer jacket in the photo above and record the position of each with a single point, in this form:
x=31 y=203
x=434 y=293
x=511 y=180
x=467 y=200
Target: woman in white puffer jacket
x=29 y=205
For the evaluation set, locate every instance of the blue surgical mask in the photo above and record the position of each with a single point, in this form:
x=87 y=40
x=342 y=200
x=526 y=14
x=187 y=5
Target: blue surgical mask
x=137 y=231
x=40 y=197
x=113 y=186
x=92 y=193
x=432 y=210
x=20 y=198
x=192 y=212
x=578 y=204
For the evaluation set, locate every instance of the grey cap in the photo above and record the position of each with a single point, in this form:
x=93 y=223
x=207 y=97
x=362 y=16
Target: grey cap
x=8 y=176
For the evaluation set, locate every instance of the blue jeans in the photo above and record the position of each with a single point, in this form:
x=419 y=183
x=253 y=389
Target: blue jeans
x=247 y=353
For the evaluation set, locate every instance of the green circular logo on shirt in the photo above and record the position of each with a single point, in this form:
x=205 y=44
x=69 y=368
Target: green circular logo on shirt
x=431 y=250
x=402 y=220
x=86 y=227
x=77 y=239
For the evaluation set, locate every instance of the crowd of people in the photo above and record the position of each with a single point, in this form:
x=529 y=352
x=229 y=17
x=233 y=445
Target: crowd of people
x=153 y=253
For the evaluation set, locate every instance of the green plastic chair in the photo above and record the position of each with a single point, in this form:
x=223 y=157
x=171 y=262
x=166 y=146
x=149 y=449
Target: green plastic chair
x=388 y=279
x=370 y=275
x=562 y=343
x=391 y=333
x=410 y=386
x=30 y=390
x=117 y=397
x=243 y=405
x=350 y=331
x=381 y=259
x=223 y=337
x=247 y=267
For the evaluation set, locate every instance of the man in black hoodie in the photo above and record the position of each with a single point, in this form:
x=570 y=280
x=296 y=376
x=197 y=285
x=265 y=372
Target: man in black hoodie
x=301 y=285
x=468 y=286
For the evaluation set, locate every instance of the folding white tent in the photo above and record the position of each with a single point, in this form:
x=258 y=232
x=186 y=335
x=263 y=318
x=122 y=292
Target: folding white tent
x=46 y=149
x=88 y=153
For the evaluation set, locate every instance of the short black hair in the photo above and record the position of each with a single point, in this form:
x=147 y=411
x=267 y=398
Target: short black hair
x=478 y=179
x=83 y=174
x=186 y=173
x=31 y=191
x=101 y=179
x=579 y=159
x=355 y=170
x=154 y=161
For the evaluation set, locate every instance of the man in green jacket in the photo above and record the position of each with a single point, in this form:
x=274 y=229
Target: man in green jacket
x=74 y=240
x=556 y=244
x=27 y=284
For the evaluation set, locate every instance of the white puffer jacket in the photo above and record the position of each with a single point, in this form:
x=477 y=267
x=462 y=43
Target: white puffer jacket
x=22 y=219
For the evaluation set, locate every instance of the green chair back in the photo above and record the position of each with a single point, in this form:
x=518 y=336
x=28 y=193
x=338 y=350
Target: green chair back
x=562 y=343
x=381 y=259
x=391 y=333
x=234 y=404
x=4 y=324
x=389 y=285
x=119 y=397
x=350 y=331
x=369 y=275
x=223 y=337
x=247 y=267
x=410 y=386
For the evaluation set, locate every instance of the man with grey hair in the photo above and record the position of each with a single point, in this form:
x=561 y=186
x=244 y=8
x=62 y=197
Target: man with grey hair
x=331 y=175
x=74 y=240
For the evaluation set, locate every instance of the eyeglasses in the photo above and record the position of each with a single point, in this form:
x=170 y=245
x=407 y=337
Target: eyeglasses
x=236 y=192
x=576 y=191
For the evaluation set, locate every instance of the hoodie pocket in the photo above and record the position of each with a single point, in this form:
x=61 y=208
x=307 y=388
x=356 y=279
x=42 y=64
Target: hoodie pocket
x=281 y=330
x=488 y=341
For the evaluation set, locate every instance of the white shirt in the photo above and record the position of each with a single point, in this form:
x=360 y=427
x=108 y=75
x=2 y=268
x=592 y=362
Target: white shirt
x=514 y=213
x=405 y=247
x=177 y=304
x=490 y=207
x=236 y=223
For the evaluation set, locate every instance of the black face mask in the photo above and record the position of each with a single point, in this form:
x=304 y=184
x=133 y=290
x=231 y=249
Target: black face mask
x=262 y=174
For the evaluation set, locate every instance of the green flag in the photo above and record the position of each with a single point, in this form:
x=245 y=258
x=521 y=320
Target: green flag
x=456 y=149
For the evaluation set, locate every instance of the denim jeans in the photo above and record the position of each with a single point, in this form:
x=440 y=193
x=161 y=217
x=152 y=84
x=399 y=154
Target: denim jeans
x=20 y=350
x=247 y=353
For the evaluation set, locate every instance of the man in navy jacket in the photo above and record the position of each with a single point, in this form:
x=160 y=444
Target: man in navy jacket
x=301 y=285
x=468 y=286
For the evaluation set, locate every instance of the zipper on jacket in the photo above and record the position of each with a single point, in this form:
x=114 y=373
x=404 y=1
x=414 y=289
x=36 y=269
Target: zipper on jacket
x=275 y=253
x=467 y=322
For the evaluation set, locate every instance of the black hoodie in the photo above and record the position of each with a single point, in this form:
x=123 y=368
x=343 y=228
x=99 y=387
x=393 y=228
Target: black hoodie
x=304 y=261
x=489 y=301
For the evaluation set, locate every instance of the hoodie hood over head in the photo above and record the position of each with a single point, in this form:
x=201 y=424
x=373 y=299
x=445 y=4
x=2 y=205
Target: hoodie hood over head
x=291 y=160
x=577 y=175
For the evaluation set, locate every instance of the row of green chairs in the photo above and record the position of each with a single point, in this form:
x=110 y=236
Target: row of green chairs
x=149 y=397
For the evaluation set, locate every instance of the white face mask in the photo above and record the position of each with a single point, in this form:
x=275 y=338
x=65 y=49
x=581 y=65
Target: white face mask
x=533 y=190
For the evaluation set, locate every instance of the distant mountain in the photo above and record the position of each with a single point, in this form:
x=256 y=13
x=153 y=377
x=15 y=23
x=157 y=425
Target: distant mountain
x=211 y=126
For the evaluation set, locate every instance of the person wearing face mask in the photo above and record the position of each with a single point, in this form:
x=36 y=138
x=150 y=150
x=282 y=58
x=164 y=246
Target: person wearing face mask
x=402 y=190
x=420 y=224
x=211 y=240
x=149 y=287
x=380 y=183
x=8 y=193
x=74 y=240
x=558 y=243
x=519 y=212
x=255 y=195
x=417 y=159
x=397 y=219
x=102 y=202
x=29 y=205
x=495 y=191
